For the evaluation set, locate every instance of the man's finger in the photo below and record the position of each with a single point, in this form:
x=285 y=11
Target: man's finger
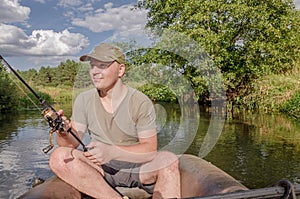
x=60 y=112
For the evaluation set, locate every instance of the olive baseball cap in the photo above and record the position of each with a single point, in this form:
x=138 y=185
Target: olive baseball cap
x=106 y=53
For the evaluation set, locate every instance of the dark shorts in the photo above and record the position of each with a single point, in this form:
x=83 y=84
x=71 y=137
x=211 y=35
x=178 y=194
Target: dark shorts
x=125 y=174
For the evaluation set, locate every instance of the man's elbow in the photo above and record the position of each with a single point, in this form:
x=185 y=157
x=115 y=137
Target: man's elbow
x=151 y=155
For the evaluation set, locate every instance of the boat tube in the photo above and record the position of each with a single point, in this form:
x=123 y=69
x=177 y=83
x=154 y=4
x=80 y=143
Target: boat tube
x=198 y=178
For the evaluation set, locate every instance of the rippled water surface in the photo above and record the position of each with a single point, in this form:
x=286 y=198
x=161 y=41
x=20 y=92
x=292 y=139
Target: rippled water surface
x=21 y=158
x=256 y=149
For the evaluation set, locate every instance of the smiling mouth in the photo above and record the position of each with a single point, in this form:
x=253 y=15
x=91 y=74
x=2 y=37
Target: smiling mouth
x=97 y=79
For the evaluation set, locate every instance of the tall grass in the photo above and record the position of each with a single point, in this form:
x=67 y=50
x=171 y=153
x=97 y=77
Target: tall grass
x=60 y=95
x=276 y=93
x=292 y=106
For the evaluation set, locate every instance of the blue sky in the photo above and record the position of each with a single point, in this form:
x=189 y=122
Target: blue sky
x=36 y=33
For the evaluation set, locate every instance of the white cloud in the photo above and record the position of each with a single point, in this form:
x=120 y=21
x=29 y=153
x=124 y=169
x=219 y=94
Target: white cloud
x=48 y=42
x=67 y=3
x=86 y=7
x=12 y=11
x=10 y=34
x=14 y=41
x=119 y=19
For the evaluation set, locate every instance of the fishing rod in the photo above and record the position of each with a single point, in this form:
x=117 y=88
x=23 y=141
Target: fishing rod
x=50 y=115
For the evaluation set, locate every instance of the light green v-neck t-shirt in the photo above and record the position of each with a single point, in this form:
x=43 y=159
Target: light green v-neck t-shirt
x=134 y=114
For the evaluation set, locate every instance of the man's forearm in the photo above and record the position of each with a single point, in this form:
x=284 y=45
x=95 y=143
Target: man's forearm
x=67 y=140
x=145 y=151
x=135 y=153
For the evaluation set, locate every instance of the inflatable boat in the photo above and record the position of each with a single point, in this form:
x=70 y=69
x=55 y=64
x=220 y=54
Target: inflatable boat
x=198 y=178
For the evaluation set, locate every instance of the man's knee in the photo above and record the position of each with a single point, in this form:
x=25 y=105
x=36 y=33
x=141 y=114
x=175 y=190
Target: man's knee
x=168 y=160
x=58 y=159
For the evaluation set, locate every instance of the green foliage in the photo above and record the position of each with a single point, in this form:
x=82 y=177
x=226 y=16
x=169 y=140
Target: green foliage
x=292 y=106
x=246 y=39
x=13 y=94
x=270 y=93
x=31 y=76
x=62 y=75
x=8 y=97
x=83 y=79
x=66 y=73
x=59 y=95
x=159 y=66
x=158 y=93
x=29 y=101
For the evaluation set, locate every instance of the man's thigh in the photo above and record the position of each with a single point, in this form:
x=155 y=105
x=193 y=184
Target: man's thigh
x=150 y=170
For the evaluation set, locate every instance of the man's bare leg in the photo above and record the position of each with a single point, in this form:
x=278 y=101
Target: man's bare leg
x=74 y=168
x=164 y=170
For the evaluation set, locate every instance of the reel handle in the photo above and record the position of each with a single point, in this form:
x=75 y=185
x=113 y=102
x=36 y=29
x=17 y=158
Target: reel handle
x=48 y=148
x=56 y=124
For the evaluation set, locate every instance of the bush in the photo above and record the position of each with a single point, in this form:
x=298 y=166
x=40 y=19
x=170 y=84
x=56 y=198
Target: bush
x=8 y=96
x=158 y=92
x=30 y=101
x=292 y=106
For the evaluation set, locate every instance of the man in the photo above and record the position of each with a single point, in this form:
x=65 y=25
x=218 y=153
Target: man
x=123 y=149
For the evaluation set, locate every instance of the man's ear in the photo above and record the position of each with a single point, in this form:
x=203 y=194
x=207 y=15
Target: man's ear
x=122 y=69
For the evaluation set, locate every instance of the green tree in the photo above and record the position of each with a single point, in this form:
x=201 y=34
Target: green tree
x=82 y=79
x=31 y=76
x=66 y=72
x=45 y=76
x=246 y=39
x=8 y=96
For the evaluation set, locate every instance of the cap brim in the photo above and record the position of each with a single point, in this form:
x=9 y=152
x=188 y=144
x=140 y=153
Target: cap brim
x=85 y=58
x=89 y=57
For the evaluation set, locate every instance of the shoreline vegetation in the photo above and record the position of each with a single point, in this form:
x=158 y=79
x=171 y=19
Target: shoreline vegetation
x=270 y=94
x=276 y=93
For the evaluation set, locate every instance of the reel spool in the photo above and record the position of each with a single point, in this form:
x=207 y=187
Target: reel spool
x=56 y=124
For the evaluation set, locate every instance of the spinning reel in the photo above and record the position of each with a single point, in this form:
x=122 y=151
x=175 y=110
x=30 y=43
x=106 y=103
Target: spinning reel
x=56 y=124
x=50 y=115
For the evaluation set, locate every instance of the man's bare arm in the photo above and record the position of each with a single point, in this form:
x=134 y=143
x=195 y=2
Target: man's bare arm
x=65 y=138
x=144 y=151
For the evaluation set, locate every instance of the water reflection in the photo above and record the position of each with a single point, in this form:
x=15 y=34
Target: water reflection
x=177 y=127
x=21 y=158
x=259 y=150
x=256 y=149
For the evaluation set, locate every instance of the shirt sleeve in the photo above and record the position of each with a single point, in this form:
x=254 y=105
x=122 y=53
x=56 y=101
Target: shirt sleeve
x=146 y=116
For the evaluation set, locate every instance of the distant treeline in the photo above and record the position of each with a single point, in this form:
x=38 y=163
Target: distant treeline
x=62 y=75
x=14 y=95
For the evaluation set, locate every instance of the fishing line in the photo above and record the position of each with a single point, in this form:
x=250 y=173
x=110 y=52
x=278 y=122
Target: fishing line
x=21 y=89
x=9 y=72
x=54 y=120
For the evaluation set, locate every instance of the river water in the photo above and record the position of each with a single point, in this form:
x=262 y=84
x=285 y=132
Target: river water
x=256 y=149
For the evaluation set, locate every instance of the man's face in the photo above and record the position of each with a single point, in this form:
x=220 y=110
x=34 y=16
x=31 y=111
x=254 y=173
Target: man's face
x=104 y=74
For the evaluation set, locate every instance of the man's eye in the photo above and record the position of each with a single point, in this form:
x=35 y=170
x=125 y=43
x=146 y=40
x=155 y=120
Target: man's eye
x=102 y=65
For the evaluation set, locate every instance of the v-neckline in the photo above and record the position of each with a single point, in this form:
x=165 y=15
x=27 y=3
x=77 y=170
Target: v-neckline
x=114 y=111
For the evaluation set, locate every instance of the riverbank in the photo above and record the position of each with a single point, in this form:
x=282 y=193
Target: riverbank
x=276 y=93
x=271 y=94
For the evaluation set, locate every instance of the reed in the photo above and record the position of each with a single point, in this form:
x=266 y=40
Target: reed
x=60 y=95
x=272 y=93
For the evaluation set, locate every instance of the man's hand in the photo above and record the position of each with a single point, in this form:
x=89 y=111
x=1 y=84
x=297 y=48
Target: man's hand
x=63 y=137
x=66 y=124
x=99 y=153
